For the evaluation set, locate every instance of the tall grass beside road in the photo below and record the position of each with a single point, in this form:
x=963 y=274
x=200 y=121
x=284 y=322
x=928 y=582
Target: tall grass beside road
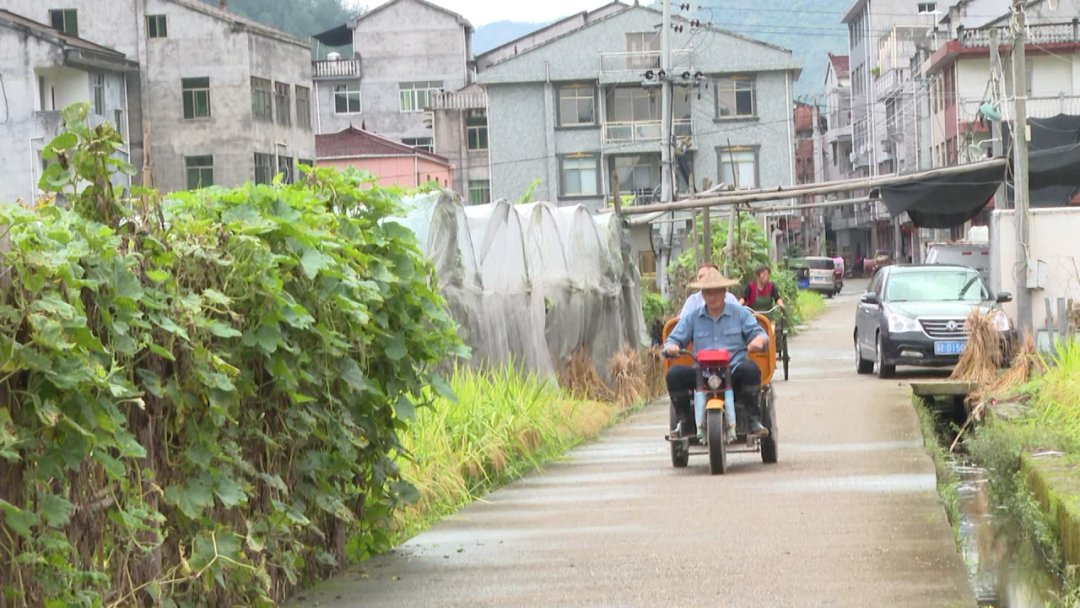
x=503 y=424
x=810 y=305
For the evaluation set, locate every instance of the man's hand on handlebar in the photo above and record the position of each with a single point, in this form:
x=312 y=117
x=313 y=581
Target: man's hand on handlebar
x=671 y=350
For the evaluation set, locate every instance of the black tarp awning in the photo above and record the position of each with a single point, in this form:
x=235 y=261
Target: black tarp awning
x=948 y=201
x=338 y=36
x=1057 y=185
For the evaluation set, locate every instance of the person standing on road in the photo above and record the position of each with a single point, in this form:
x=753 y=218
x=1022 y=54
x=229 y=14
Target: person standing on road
x=695 y=301
x=716 y=326
x=761 y=294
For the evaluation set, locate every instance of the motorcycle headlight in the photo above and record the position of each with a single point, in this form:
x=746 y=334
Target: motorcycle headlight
x=1000 y=321
x=900 y=323
x=715 y=381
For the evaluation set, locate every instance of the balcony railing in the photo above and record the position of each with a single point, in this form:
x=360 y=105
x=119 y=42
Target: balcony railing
x=449 y=100
x=627 y=132
x=336 y=68
x=623 y=63
x=1039 y=33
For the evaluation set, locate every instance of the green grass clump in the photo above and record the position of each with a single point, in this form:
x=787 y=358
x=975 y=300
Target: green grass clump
x=1056 y=403
x=810 y=305
x=503 y=424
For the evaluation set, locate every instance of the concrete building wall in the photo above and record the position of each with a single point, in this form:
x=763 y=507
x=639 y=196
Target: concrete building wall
x=405 y=42
x=518 y=127
x=212 y=48
x=1053 y=245
x=451 y=139
x=112 y=23
x=198 y=44
x=33 y=73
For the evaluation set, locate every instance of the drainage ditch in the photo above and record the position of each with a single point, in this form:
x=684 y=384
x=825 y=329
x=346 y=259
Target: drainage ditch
x=1005 y=566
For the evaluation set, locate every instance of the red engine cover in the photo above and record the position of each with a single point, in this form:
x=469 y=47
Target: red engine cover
x=714 y=358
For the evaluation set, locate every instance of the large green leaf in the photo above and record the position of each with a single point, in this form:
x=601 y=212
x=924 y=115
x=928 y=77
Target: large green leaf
x=20 y=521
x=56 y=510
x=192 y=498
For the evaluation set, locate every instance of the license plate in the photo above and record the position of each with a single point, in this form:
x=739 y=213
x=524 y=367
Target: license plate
x=949 y=348
x=820 y=281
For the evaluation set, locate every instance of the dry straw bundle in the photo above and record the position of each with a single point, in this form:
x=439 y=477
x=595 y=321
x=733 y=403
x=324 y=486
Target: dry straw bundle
x=580 y=378
x=982 y=355
x=628 y=376
x=1025 y=363
x=653 y=361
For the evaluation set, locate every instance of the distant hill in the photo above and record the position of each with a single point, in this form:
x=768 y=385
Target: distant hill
x=810 y=28
x=301 y=18
x=487 y=37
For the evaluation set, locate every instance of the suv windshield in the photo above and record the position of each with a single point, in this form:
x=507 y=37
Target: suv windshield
x=936 y=286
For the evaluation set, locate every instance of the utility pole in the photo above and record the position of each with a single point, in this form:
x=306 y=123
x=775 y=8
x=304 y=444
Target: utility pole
x=1020 y=171
x=668 y=228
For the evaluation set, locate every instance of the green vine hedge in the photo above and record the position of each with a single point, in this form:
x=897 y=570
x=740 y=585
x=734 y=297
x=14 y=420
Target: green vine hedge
x=200 y=398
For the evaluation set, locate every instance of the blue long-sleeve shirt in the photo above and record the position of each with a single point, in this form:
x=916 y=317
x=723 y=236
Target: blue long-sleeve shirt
x=732 y=331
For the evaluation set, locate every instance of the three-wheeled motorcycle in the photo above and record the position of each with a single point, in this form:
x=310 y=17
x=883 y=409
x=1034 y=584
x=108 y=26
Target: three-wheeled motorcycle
x=715 y=406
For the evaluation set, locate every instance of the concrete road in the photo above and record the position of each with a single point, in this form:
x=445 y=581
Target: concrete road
x=848 y=517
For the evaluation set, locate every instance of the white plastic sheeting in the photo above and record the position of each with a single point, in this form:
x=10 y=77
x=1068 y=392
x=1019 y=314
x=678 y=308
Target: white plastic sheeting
x=534 y=283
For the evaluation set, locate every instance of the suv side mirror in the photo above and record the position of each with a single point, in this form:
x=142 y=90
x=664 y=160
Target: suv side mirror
x=1004 y=297
x=870 y=298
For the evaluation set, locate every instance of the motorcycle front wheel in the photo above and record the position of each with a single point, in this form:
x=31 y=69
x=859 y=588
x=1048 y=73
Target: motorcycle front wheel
x=714 y=419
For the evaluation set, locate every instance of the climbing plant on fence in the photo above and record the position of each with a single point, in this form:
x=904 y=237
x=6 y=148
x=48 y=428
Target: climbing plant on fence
x=201 y=398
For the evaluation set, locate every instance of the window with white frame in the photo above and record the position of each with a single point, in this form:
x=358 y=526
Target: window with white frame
x=416 y=96
x=476 y=131
x=262 y=104
x=738 y=166
x=579 y=175
x=118 y=120
x=735 y=97
x=200 y=171
x=347 y=97
x=303 y=107
x=927 y=8
x=264 y=168
x=283 y=103
x=157 y=26
x=479 y=191
x=426 y=144
x=65 y=21
x=196 y=93
x=577 y=105
x=99 y=94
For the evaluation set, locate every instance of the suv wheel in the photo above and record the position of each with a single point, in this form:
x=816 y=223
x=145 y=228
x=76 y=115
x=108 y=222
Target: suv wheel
x=862 y=366
x=883 y=371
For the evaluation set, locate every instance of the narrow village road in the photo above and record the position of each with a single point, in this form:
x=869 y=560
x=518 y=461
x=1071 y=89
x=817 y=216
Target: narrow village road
x=849 y=517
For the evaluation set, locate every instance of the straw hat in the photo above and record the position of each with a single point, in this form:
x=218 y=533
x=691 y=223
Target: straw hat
x=713 y=279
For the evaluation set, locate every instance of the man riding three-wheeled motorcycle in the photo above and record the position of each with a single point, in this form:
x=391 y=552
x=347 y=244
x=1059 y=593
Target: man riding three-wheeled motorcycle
x=719 y=394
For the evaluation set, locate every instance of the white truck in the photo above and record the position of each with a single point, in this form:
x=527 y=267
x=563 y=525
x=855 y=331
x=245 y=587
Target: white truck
x=974 y=252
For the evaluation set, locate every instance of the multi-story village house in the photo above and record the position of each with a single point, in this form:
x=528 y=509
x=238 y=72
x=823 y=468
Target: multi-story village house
x=43 y=70
x=577 y=127
x=404 y=52
x=224 y=100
